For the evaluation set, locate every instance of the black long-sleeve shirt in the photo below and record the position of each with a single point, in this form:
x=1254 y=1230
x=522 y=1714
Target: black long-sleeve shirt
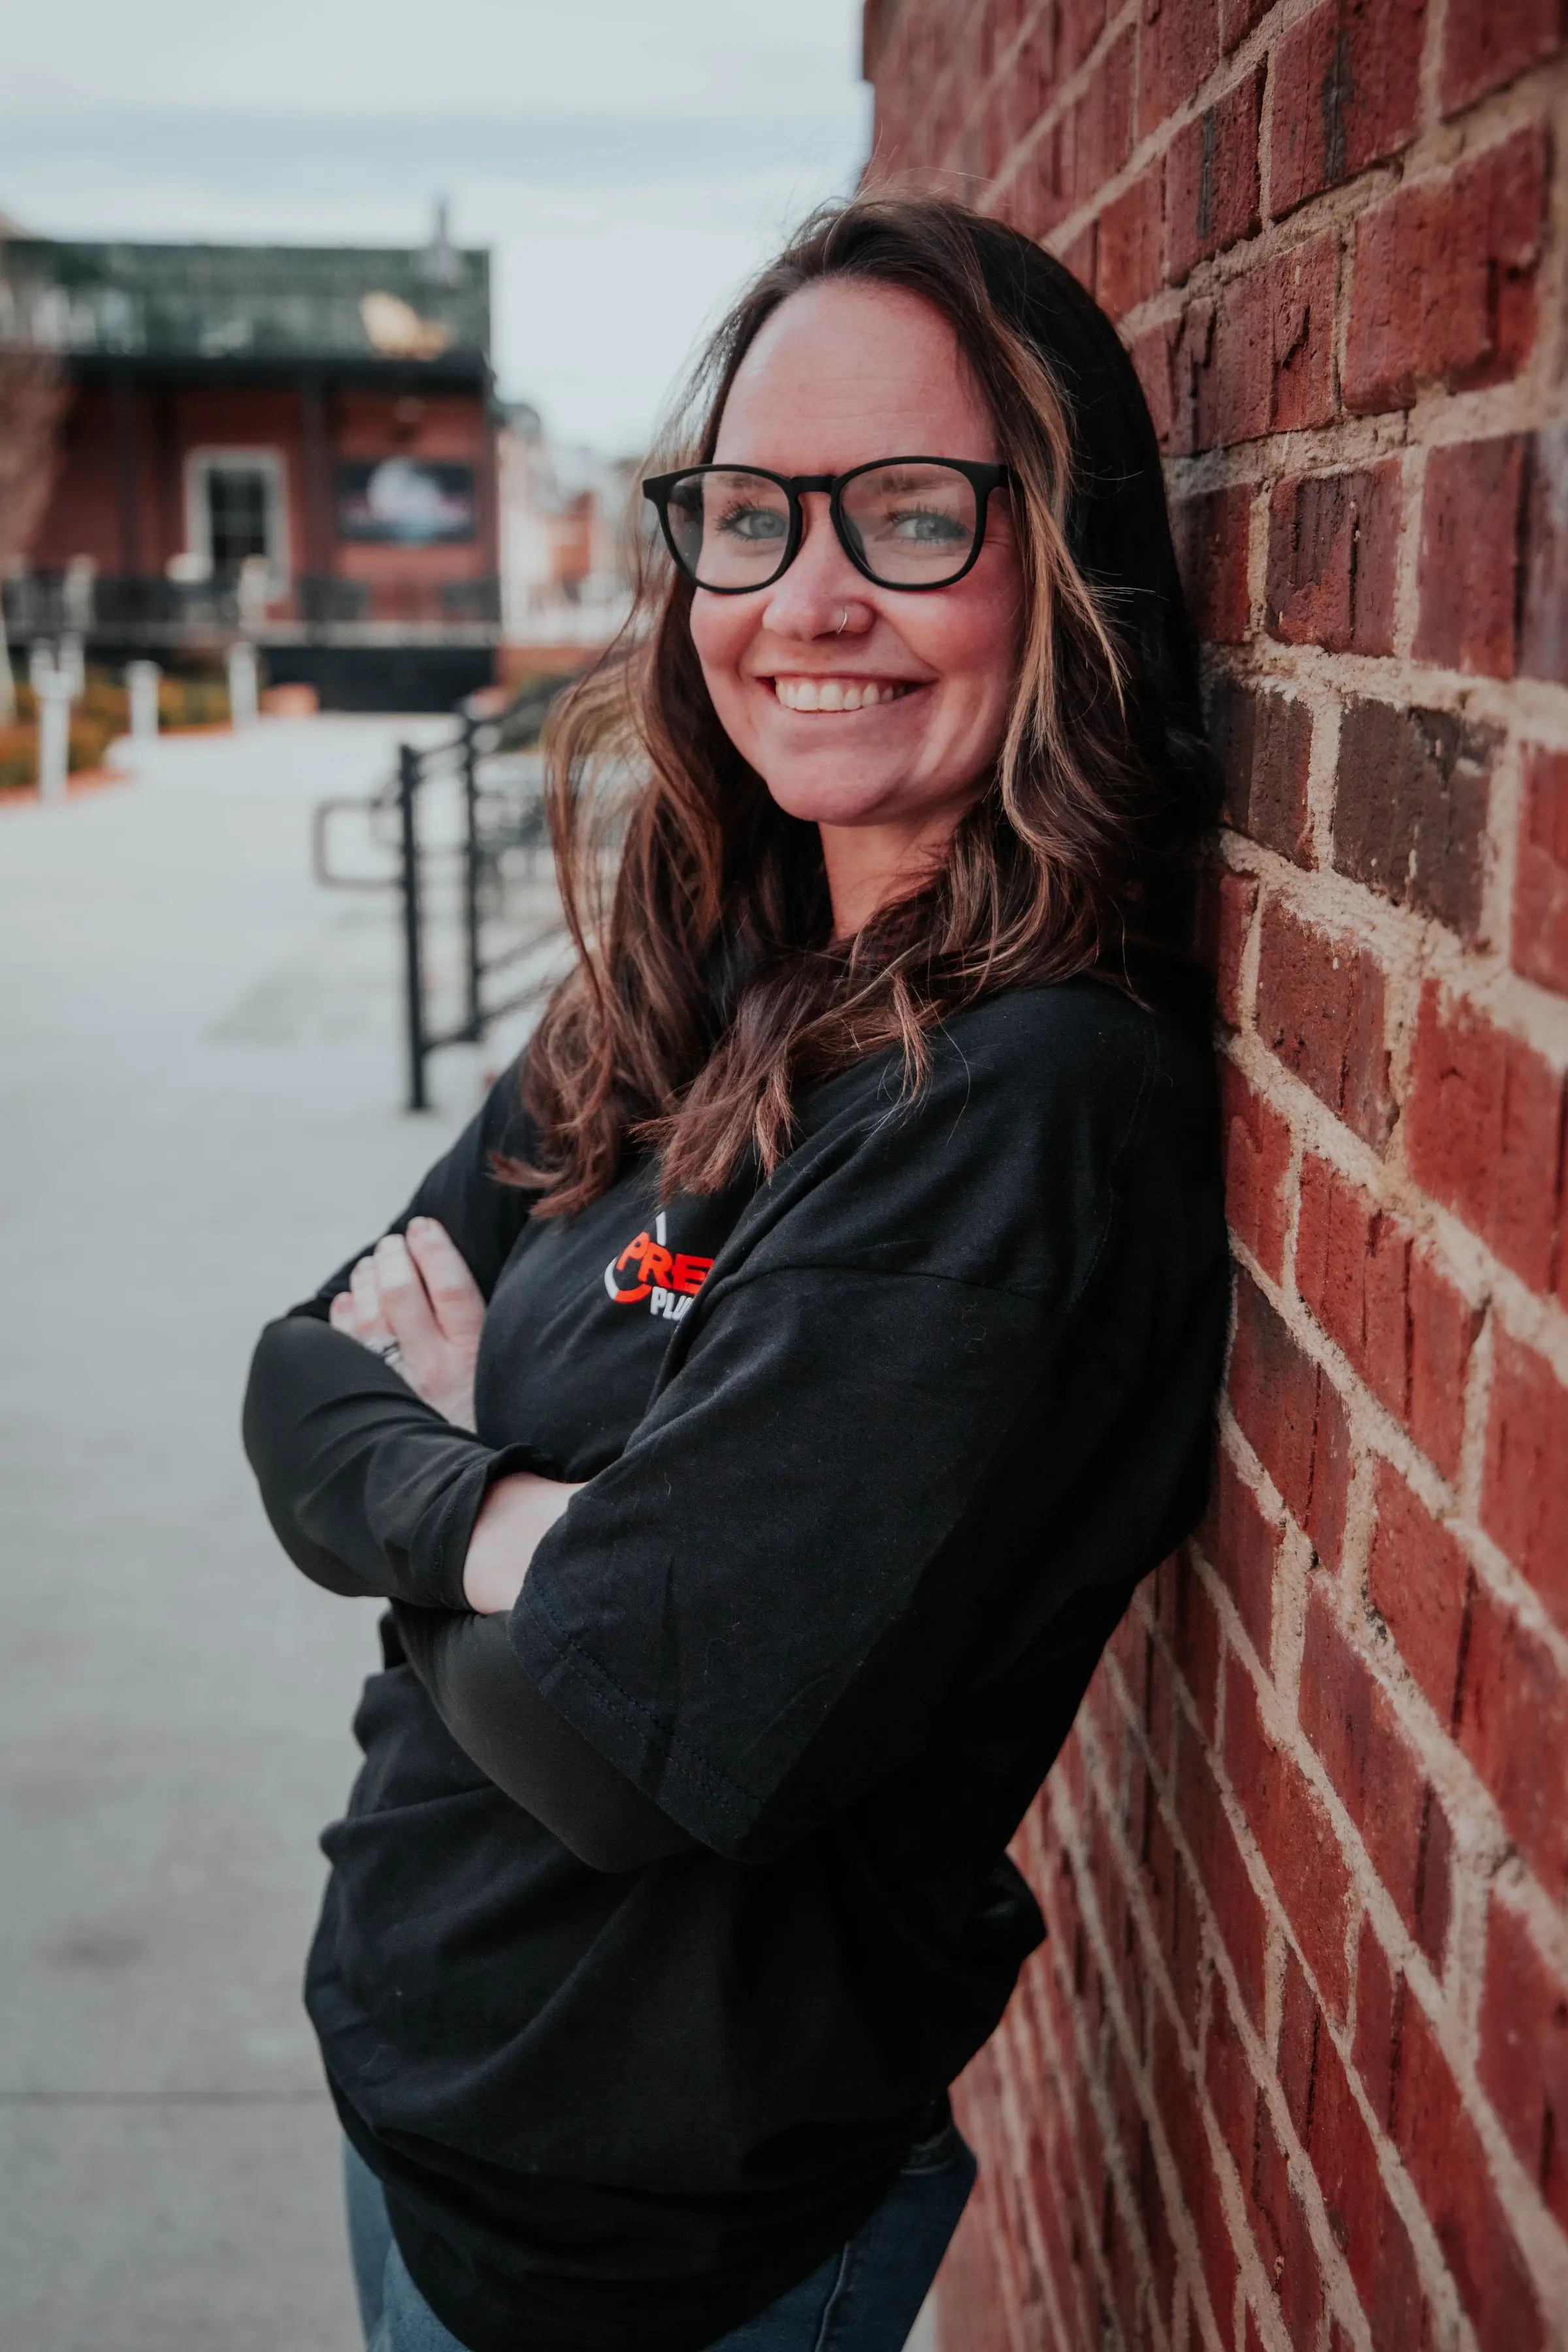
x=873 y=1454
x=373 y=1492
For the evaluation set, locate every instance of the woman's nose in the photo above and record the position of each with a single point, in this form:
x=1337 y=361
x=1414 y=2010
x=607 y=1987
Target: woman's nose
x=821 y=594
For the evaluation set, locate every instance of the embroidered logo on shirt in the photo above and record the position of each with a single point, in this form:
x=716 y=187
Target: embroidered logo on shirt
x=669 y=1279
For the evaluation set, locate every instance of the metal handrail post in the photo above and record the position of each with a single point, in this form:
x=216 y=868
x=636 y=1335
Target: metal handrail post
x=474 y=1024
x=413 y=946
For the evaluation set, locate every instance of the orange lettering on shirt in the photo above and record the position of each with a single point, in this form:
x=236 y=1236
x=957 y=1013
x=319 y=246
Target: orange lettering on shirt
x=655 y=1265
x=689 y=1274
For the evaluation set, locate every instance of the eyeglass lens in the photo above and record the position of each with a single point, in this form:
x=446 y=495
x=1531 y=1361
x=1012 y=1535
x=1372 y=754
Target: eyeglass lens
x=910 y=526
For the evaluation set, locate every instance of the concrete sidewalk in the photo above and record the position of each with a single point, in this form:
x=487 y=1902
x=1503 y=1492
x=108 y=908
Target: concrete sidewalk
x=198 y=1079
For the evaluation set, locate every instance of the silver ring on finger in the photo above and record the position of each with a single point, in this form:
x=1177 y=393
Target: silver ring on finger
x=387 y=1350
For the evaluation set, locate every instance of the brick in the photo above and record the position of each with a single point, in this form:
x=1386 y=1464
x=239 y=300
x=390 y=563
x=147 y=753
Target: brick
x=1290 y=1413
x=1446 y=2159
x=1300 y=2023
x=1237 y=19
x=1130 y=258
x=1523 y=2062
x=1242 y=1545
x=1443 y=285
x=1352 y=1723
x=1151 y=353
x=1260 y=358
x=1225 y=903
x=1099 y=133
x=1543 y=648
x=1178 y=47
x=1320 y=1008
x=1195 y=1641
x=1540 y=943
x=1080 y=23
x=1210 y=535
x=1173 y=1903
x=1295 y=1837
x=1346 y=92
x=1229 y=2081
x=1418 y=1581
x=1263 y=743
x=1353 y=1264
x=1189 y=350
x=1211 y=179
x=1081 y=257
x=1157 y=2232
x=1110 y=1902
x=1177 y=2100
x=1333 y=547
x=1411 y=796
x=1524 y=1497
x=1483 y=1132
x=1379 y=2007
x=1339 y=2146
x=1159 y=1707
x=1486 y=43
x=1509 y=1679
x=1469 y=559
x=1257 y=1146
x=1444 y=1327
x=1040 y=195
x=1220 y=1870
x=1284 y=2239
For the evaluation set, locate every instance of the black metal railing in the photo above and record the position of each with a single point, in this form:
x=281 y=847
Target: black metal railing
x=51 y=603
x=461 y=825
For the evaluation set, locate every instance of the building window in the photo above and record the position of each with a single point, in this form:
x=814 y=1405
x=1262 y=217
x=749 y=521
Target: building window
x=236 y=509
x=237 y=514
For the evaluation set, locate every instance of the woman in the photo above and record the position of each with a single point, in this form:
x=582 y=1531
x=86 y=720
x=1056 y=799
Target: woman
x=836 y=1297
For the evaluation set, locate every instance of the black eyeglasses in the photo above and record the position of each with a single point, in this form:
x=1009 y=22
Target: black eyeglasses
x=904 y=522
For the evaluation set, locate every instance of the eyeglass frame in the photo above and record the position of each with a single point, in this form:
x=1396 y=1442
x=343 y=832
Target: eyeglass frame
x=982 y=479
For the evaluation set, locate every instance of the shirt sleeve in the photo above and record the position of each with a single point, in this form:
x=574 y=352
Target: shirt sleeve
x=519 y=1741
x=369 y=1490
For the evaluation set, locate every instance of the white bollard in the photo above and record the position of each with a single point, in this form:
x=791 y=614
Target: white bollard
x=53 y=735
x=40 y=662
x=242 y=685
x=72 y=665
x=141 y=684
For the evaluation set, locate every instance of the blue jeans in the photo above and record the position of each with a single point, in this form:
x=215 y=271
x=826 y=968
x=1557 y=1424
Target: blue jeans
x=865 y=2298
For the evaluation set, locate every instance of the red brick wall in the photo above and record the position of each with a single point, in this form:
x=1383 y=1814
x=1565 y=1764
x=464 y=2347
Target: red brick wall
x=1291 y=2070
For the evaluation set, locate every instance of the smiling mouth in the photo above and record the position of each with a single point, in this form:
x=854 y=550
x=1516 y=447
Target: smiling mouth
x=839 y=693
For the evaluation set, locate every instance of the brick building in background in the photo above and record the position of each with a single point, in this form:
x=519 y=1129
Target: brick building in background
x=295 y=444
x=1291 y=2070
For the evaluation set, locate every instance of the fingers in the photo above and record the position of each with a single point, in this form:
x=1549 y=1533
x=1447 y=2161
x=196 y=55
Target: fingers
x=357 y=1310
x=405 y=1307
x=455 y=1297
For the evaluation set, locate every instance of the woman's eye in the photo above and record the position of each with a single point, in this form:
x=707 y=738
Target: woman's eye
x=751 y=523
x=924 y=527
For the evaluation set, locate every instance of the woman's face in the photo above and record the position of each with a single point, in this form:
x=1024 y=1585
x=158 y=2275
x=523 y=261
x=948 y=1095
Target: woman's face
x=842 y=375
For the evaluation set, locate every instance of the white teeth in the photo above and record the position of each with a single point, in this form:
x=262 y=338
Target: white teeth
x=836 y=693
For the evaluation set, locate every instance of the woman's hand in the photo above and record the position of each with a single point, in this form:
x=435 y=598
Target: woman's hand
x=414 y=1302
x=514 y=1516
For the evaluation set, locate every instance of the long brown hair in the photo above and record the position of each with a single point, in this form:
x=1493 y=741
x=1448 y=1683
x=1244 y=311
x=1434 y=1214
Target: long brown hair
x=709 y=991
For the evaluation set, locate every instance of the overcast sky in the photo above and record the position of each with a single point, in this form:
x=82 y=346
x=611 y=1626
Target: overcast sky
x=627 y=160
